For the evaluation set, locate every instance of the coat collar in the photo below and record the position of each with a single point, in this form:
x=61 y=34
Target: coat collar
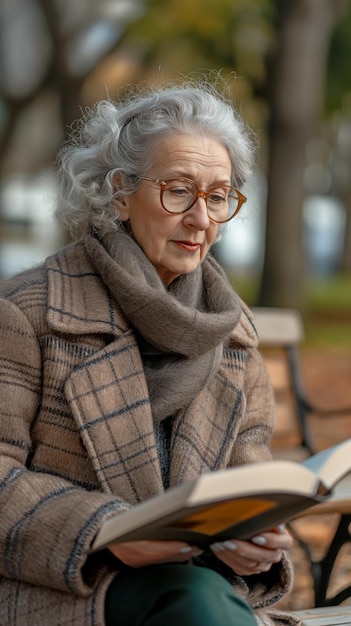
x=78 y=301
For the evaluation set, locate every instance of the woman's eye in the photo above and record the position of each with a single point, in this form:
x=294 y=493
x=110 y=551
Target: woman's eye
x=216 y=198
x=180 y=191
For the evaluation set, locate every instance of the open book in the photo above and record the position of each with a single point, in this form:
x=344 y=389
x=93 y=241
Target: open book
x=236 y=503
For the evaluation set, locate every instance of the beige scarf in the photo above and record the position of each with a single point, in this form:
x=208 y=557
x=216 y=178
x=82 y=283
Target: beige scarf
x=180 y=329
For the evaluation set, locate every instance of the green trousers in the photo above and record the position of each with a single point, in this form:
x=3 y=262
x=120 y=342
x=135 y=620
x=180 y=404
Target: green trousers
x=174 y=595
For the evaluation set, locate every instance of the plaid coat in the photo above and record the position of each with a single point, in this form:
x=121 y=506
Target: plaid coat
x=77 y=441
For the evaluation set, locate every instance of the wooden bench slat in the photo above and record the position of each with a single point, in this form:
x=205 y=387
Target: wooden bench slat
x=278 y=326
x=326 y=616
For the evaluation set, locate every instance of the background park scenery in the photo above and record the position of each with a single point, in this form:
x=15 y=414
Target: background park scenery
x=286 y=65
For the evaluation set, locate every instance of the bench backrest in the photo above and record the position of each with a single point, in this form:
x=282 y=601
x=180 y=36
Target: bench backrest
x=280 y=332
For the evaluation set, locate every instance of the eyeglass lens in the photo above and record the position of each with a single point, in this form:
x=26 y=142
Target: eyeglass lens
x=179 y=195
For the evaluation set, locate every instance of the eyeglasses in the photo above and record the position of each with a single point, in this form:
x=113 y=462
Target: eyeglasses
x=178 y=195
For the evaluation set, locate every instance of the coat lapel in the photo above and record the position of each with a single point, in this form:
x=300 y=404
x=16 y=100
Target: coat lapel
x=107 y=392
x=204 y=434
x=109 y=399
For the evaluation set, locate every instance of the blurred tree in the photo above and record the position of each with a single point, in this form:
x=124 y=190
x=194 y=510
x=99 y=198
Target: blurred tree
x=338 y=111
x=52 y=46
x=179 y=38
x=64 y=54
x=48 y=51
x=296 y=70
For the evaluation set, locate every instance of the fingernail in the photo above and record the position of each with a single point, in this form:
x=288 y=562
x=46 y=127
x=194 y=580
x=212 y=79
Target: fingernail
x=230 y=545
x=185 y=550
x=198 y=553
x=259 y=541
x=217 y=547
x=282 y=528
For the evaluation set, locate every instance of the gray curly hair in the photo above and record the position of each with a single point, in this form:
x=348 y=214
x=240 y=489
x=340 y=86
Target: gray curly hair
x=122 y=137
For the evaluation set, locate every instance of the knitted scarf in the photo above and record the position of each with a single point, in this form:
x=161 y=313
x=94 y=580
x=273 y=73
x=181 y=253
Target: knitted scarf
x=180 y=328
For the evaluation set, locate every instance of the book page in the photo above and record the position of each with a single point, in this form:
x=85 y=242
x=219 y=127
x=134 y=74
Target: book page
x=331 y=465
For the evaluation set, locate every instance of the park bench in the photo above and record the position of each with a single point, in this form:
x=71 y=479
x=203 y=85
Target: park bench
x=326 y=616
x=280 y=333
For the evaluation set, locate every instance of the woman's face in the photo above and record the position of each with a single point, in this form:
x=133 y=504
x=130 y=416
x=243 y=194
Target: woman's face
x=176 y=244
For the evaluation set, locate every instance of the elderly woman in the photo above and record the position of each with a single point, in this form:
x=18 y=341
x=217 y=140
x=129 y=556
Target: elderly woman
x=129 y=365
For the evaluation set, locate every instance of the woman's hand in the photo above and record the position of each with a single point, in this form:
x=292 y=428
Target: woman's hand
x=257 y=555
x=142 y=553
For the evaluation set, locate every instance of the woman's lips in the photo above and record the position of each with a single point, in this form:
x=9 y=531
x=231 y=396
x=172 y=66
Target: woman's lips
x=188 y=245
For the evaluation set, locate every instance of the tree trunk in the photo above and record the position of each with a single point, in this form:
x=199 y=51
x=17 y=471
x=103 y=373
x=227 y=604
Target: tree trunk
x=296 y=88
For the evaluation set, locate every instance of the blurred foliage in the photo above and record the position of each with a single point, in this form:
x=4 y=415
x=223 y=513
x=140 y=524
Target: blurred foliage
x=328 y=305
x=338 y=77
x=179 y=37
x=213 y=30
x=330 y=295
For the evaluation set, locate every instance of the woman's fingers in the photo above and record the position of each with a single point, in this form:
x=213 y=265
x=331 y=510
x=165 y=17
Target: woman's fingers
x=257 y=555
x=142 y=553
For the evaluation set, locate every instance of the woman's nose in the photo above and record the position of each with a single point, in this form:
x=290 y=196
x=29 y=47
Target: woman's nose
x=197 y=216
